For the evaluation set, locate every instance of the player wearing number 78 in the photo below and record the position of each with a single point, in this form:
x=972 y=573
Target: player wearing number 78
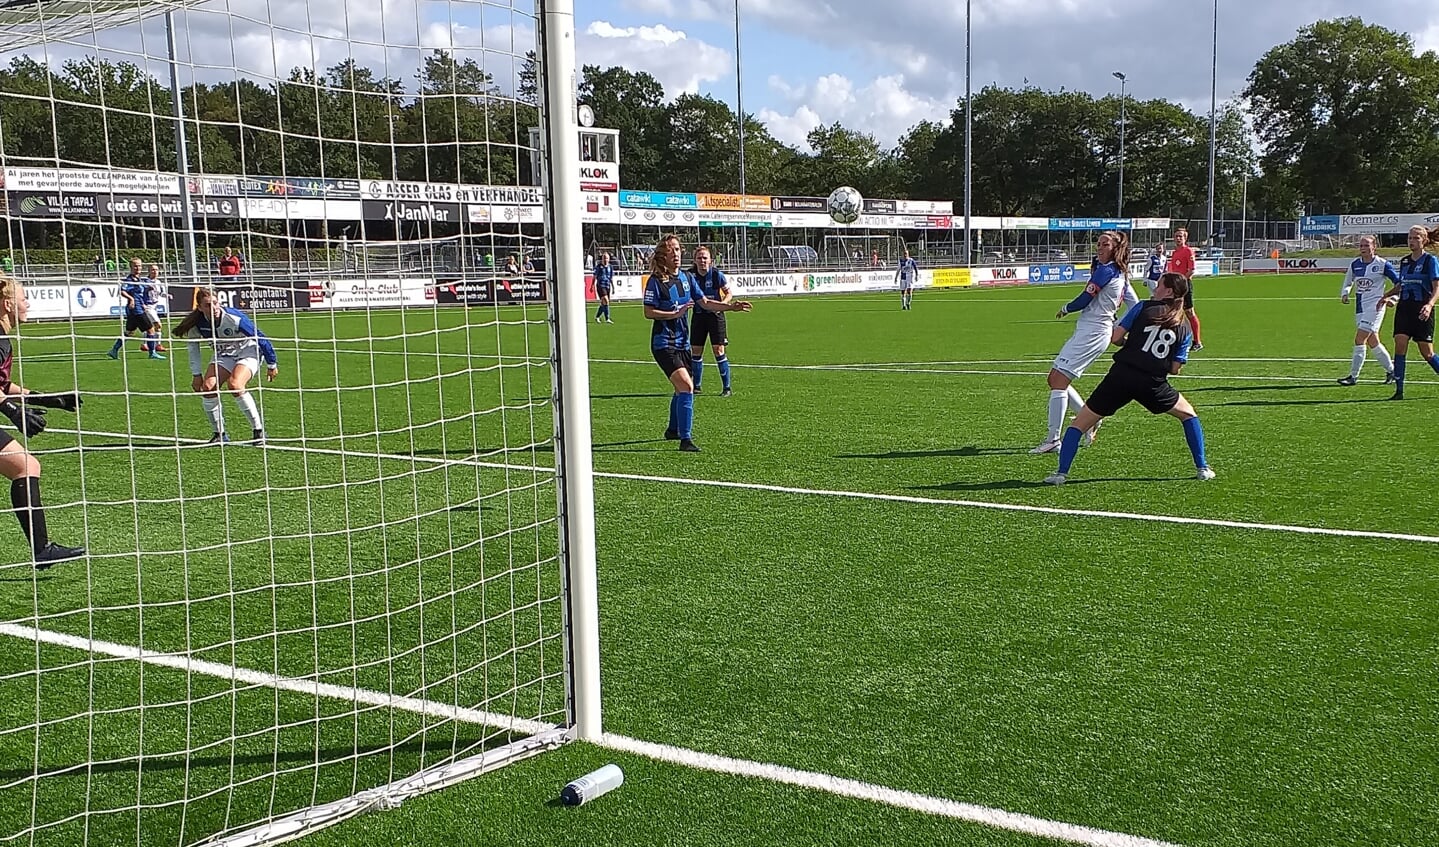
x=1154 y=341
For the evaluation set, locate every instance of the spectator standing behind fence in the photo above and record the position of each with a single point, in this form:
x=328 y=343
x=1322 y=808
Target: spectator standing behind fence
x=230 y=264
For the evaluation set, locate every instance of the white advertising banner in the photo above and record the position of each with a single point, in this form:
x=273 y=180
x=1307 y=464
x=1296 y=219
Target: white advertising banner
x=1295 y=266
x=1000 y=275
x=91 y=181
x=1386 y=223
x=371 y=293
x=300 y=209
x=93 y=299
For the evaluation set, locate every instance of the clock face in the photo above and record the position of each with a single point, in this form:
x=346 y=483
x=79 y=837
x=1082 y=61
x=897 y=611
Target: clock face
x=586 y=115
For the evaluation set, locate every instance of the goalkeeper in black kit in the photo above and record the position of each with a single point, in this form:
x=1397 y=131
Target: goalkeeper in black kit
x=26 y=410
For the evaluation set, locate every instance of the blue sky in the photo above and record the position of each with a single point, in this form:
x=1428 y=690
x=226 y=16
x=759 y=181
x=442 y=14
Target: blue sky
x=883 y=66
x=878 y=66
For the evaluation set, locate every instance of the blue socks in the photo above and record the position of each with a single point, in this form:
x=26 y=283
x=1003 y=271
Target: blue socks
x=1399 y=363
x=685 y=415
x=697 y=371
x=674 y=414
x=119 y=343
x=1434 y=362
x=723 y=364
x=1194 y=435
x=1067 y=448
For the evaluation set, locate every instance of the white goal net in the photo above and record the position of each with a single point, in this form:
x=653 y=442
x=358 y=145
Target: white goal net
x=330 y=468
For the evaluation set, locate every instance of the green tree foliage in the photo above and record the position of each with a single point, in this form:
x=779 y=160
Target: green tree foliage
x=1346 y=111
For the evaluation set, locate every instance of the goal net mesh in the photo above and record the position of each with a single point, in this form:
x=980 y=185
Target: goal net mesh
x=353 y=592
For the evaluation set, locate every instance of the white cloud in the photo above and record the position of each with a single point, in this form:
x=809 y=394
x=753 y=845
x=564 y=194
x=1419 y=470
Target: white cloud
x=680 y=63
x=884 y=107
x=1429 y=38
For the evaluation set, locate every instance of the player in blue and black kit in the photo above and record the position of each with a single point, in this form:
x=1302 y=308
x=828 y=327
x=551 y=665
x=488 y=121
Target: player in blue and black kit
x=1417 y=290
x=670 y=293
x=1155 y=341
x=1154 y=268
x=133 y=291
x=707 y=325
x=604 y=283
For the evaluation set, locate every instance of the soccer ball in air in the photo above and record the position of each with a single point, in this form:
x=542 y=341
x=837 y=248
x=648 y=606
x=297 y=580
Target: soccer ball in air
x=845 y=204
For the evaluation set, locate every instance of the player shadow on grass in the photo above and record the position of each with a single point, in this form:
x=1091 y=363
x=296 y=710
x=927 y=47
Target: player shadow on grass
x=1384 y=399
x=658 y=445
x=1012 y=484
x=1329 y=386
x=471 y=452
x=970 y=451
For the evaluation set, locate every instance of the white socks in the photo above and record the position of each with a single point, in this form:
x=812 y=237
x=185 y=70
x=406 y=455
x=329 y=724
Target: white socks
x=1058 y=403
x=212 y=410
x=246 y=402
x=1382 y=356
x=1357 y=361
x=1075 y=401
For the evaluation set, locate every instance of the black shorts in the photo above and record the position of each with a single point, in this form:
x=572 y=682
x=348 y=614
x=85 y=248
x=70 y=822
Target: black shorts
x=1124 y=383
x=602 y=291
x=5 y=438
x=673 y=360
x=1189 y=298
x=1406 y=321
x=708 y=325
x=139 y=322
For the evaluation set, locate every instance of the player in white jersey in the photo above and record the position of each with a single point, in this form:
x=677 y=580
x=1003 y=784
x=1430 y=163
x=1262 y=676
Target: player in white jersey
x=906 y=276
x=239 y=345
x=1096 y=305
x=1365 y=278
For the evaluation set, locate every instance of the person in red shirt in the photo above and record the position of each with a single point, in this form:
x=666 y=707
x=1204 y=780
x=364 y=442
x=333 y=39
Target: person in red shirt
x=1181 y=261
x=230 y=264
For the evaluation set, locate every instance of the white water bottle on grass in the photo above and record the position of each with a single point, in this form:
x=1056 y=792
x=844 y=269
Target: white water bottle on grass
x=592 y=785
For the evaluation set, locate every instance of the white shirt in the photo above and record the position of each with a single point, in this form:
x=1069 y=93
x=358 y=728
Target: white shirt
x=1368 y=282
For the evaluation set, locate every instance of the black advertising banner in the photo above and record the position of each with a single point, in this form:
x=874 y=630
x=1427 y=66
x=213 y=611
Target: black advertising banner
x=51 y=204
x=490 y=291
x=880 y=207
x=299 y=186
x=408 y=211
x=798 y=204
x=139 y=206
x=245 y=296
x=215 y=207
x=520 y=290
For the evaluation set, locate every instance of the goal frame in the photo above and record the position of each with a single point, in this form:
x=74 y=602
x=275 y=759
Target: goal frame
x=31 y=22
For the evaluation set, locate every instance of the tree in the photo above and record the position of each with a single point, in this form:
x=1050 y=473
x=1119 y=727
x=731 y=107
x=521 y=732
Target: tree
x=527 y=88
x=1347 y=111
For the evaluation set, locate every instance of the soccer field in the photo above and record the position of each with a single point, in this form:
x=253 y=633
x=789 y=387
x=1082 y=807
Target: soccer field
x=860 y=578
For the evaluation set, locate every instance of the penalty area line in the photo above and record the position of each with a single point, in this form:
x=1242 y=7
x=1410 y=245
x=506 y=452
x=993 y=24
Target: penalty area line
x=839 y=786
x=1023 y=507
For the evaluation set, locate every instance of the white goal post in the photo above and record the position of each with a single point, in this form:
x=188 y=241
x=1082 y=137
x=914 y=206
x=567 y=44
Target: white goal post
x=350 y=561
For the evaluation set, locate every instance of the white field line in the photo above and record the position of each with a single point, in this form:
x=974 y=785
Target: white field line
x=910 y=499
x=870 y=368
x=1019 y=507
x=935 y=806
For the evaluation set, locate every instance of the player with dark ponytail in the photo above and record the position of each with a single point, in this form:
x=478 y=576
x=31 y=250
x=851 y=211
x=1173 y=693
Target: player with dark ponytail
x=1154 y=341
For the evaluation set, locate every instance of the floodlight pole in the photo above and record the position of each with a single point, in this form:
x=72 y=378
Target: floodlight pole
x=182 y=156
x=968 y=140
x=1121 y=77
x=1213 y=113
x=739 y=107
